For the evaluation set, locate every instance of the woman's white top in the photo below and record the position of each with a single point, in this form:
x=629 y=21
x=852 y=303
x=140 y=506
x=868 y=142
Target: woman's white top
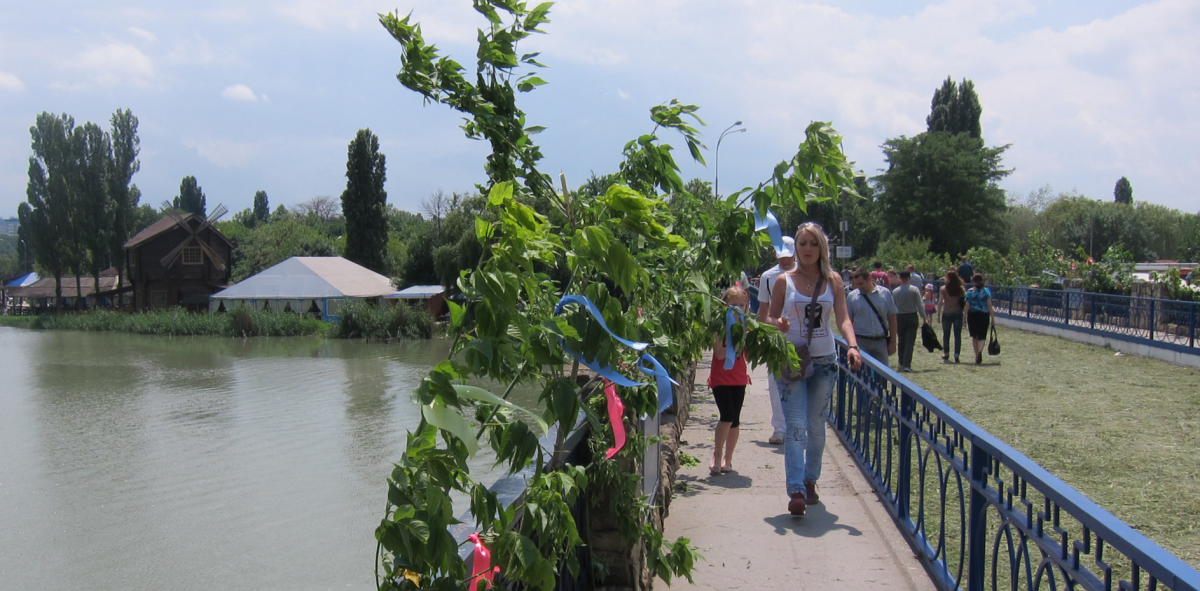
x=794 y=304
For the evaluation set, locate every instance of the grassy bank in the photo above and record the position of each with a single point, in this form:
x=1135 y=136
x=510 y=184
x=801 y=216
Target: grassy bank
x=1123 y=430
x=240 y=322
x=357 y=321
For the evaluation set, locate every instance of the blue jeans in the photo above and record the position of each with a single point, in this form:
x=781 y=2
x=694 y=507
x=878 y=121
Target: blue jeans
x=805 y=404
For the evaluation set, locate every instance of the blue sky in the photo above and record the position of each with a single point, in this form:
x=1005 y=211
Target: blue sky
x=250 y=96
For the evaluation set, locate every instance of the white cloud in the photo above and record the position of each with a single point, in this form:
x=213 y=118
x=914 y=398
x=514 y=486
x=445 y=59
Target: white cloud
x=11 y=83
x=143 y=34
x=108 y=65
x=241 y=92
x=225 y=153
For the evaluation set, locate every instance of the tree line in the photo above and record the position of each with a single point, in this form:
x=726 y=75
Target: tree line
x=939 y=199
x=80 y=204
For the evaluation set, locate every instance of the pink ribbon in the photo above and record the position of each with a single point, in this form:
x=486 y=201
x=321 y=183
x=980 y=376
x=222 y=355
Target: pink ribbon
x=481 y=562
x=616 y=416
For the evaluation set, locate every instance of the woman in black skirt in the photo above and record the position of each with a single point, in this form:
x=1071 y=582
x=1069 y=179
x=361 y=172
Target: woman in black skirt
x=980 y=315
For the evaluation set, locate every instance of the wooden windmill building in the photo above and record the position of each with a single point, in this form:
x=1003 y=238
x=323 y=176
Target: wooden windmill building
x=180 y=260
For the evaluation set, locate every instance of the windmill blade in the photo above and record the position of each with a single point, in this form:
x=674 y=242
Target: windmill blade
x=217 y=212
x=212 y=256
x=169 y=260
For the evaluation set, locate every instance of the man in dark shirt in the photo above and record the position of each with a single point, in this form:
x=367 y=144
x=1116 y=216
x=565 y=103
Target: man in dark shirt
x=966 y=270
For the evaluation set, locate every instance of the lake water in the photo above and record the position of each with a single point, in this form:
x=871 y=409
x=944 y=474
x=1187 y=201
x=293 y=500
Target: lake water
x=139 y=462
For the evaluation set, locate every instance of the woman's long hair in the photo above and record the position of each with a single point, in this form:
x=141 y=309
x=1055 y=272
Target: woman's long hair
x=822 y=242
x=954 y=285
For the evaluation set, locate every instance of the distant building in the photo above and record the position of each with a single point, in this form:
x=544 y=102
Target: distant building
x=180 y=260
x=9 y=227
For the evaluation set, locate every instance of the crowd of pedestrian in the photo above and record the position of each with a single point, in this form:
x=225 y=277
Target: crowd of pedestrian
x=878 y=312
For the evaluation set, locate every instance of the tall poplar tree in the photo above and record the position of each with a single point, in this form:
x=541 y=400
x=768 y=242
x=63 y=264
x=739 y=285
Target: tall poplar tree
x=124 y=195
x=364 y=203
x=1123 y=192
x=262 y=209
x=191 y=197
x=24 y=238
x=93 y=212
x=49 y=194
x=955 y=109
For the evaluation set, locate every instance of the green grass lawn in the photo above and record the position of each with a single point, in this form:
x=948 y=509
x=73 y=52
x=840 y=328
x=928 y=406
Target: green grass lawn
x=1121 y=429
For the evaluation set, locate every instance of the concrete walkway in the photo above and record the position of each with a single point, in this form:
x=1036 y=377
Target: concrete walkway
x=740 y=523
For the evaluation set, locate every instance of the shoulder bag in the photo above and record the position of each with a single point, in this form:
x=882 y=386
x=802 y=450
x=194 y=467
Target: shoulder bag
x=886 y=334
x=993 y=343
x=789 y=374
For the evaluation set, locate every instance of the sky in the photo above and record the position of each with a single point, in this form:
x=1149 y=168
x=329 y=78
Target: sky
x=267 y=95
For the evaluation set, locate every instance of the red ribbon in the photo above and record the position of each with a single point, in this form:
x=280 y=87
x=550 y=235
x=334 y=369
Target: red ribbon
x=616 y=416
x=481 y=562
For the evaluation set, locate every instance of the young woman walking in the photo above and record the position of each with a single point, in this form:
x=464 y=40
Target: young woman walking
x=802 y=312
x=729 y=391
x=950 y=310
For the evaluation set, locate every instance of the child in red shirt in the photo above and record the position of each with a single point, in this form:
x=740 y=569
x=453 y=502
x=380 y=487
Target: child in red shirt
x=729 y=390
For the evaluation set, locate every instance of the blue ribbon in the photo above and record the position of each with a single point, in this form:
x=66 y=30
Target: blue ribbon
x=771 y=225
x=666 y=396
x=729 y=322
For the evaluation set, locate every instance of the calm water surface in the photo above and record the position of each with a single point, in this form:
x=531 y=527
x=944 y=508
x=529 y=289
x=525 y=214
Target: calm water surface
x=136 y=462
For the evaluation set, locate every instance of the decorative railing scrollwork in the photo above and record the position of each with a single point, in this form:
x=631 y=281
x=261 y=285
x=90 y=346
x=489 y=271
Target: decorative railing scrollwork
x=980 y=515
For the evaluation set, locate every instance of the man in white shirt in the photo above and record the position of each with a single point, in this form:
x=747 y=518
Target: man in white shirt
x=787 y=260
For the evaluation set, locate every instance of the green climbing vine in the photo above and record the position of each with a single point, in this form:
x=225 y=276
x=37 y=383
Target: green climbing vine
x=616 y=248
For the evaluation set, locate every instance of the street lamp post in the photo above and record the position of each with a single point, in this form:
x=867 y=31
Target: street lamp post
x=717 y=163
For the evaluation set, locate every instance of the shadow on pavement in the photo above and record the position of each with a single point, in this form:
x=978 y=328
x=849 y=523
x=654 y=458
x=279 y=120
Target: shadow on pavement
x=815 y=523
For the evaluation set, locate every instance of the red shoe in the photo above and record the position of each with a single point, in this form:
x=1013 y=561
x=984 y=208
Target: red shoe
x=796 y=506
x=810 y=493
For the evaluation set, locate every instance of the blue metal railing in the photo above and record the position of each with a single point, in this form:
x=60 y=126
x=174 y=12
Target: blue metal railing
x=1164 y=323
x=979 y=514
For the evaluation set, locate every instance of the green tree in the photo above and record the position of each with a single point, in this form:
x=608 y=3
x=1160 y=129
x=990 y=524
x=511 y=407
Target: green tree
x=942 y=186
x=24 y=238
x=364 y=203
x=124 y=195
x=262 y=209
x=191 y=197
x=1123 y=192
x=93 y=215
x=50 y=194
x=271 y=244
x=956 y=109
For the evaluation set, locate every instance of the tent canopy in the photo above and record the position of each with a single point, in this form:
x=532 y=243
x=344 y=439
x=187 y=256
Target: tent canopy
x=418 y=292
x=310 y=278
x=23 y=280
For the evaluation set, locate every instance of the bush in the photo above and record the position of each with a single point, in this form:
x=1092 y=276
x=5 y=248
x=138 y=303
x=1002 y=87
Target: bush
x=240 y=322
x=360 y=319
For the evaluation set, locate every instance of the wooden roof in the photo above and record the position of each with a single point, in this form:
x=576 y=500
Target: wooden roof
x=165 y=224
x=44 y=287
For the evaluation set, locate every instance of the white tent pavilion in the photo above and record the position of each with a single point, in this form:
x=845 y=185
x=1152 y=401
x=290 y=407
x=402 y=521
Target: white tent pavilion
x=301 y=283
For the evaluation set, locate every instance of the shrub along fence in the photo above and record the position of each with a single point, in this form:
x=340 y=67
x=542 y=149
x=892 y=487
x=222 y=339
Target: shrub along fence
x=977 y=513
x=1169 y=324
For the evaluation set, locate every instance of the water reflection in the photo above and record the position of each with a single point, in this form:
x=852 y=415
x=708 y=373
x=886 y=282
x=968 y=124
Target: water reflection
x=138 y=462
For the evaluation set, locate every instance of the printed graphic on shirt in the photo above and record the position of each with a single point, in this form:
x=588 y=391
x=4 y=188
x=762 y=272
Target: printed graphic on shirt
x=814 y=317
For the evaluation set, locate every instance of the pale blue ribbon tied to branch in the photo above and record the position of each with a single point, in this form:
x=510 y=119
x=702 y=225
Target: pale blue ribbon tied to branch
x=647 y=364
x=730 y=320
x=771 y=225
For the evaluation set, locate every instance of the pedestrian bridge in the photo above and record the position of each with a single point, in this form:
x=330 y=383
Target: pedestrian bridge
x=914 y=496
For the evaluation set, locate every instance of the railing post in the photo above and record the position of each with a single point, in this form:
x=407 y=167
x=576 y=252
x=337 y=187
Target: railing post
x=1152 y=320
x=1066 y=296
x=1029 y=302
x=977 y=521
x=840 y=410
x=1192 y=325
x=904 y=474
x=1093 y=325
